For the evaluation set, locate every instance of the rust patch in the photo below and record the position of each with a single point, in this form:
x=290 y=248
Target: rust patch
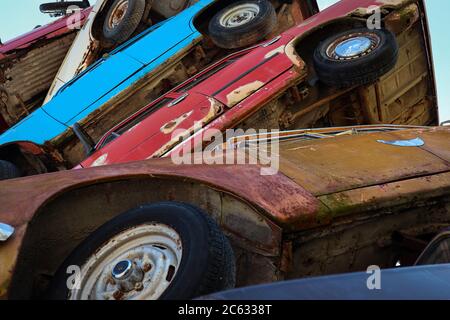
x=243 y=92
x=287 y=257
x=172 y=125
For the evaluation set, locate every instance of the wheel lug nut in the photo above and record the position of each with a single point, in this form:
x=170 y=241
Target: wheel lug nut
x=139 y=286
x=146 y=267
x=118 y=295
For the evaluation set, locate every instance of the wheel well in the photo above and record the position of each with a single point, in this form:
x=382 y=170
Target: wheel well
x=97 y=25
x=66 y=220
x=203 y=17
x=305 y=45
x=28 y=163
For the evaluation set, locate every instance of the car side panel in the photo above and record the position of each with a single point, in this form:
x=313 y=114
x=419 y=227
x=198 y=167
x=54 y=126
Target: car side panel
x=147 y=49
x=36 y=125
x=93 y=85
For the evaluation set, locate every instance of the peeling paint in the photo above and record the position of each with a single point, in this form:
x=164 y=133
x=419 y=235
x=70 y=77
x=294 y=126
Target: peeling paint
x=215 y=109
x=291 y=53
x=243 y=92
x=172 y=125
x=274 y=52
x=101 y=161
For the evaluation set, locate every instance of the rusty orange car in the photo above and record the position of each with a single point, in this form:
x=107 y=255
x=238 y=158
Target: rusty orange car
x=342 y=199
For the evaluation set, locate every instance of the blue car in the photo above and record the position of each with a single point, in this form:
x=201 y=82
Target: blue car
x=229 y=24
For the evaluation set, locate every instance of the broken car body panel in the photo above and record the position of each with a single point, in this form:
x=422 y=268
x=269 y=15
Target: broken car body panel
x=29 y=64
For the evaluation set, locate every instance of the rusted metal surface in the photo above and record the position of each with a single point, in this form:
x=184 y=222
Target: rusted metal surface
x=325 y=167
x=297 y=200
x=384 y=196
x=288 y=203
x=28 y=77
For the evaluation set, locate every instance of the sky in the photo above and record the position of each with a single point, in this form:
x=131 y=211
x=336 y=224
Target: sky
x=16 y=20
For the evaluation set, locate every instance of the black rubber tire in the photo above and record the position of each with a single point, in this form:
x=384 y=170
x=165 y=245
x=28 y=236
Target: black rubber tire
x=361 y=70
x=207 y=264
x=62 y=6
x=245 y=35
x=129 y=24
x=8 y=170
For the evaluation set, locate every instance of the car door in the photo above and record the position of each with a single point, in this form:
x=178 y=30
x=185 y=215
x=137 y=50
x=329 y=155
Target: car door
x=248 y=74
x=154 y=128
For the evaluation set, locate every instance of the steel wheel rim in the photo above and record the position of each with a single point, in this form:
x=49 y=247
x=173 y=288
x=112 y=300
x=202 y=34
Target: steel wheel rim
x=155 y=251
x=118 y=14
x=239 y=15
x=353 y=46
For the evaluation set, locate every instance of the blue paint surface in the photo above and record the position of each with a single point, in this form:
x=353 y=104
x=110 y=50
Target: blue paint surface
x=108 y=77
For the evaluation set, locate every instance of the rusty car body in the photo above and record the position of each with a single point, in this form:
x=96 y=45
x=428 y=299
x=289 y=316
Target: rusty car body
x=28 y=65
x=343 y=199
x=287 y=99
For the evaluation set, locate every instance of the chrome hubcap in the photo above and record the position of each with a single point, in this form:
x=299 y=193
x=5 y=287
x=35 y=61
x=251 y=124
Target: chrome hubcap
x=239 y=15
x=352 y=46
x=137 y=264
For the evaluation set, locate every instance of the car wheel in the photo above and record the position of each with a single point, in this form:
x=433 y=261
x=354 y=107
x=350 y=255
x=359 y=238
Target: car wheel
x=8 y=170
x=122 y=20
x=355 y=57
x=242 y=24
x=167 y=250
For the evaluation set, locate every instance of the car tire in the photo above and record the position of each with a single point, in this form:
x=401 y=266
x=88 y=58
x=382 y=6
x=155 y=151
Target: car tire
x=207 y=263
x=52 y=7
x=8 y=170
x=129 y=14
x=336 y=65
x=228 y=33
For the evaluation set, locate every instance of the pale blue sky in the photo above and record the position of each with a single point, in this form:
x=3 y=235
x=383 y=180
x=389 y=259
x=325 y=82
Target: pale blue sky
x=20 y=16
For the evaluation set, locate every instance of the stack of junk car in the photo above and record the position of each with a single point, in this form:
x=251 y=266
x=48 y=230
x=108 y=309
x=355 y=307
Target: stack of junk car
x=363 y=175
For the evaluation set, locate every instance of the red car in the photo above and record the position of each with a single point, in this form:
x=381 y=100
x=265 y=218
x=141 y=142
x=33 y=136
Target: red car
x=297 y=80
x=28 y=65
